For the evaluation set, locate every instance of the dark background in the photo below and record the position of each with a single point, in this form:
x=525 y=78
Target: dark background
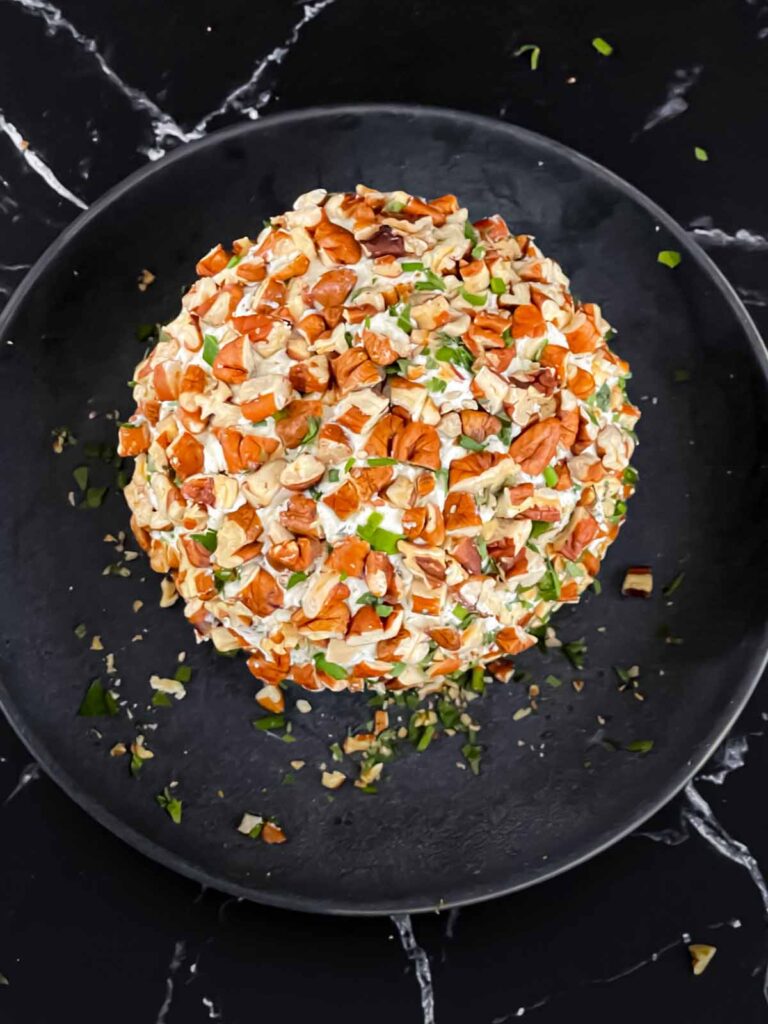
x=91 y=930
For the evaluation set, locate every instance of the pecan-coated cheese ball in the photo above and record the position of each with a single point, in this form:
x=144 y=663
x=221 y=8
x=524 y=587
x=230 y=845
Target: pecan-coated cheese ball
x=379 y=443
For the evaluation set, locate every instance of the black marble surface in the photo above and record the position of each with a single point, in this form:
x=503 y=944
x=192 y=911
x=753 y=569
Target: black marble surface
x=89 y=930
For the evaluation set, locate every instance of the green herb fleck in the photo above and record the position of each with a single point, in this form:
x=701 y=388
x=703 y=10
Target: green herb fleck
x=269 y=722
x=701 y=154
x=98 y=701
x=602 y=46
x=183 y=674
x=80 y=631
x=550 y=476
x=639 y=746
x=210 y=348
x=472 y=299
x=497 y=286
x=81 y=477
x=574 y=651
x=535 y=52
x=209 y=539
x=669 y=257
x=673 y=585
x=470 y=444
x=329 y=667
x=170 y=804
x=161 y=700
x=436 y=385
x=94 y=496
x=472 y=755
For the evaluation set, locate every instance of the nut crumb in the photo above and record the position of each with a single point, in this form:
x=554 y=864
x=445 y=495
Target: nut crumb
x=137 y=605
x=96 y=644
x=146 y=277
x=118 y=750
x=169 y=593
x=297 y=765
x=332 y=780
x=303 y=706
x=701 y=956
x=577 y=684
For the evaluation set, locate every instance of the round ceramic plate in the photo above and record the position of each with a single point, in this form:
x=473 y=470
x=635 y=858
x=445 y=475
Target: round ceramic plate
x=555 y=787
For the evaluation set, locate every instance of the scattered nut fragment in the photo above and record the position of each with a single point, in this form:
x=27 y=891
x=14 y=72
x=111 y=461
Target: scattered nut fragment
x=577 y=684
x=137 y=605
x=118 y=750
x=380 y=722
x=701 y=955
x=332 y=780
x=139 y=750
x=297 y=765
x=638 y=582
x=169 y=593
x=361 y=741
x=303 y=706
x=172 y=686
x=96 y=644
x=249 y=822
x=272 y=833
x=110 y=663
x=146 y=277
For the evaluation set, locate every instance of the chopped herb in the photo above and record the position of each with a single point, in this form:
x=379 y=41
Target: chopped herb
x=333 y=476
x=269 y=722
x=597 y=586
x=433 y=283
x=622 y=673
x=639 y=746
x=397 y=669
x=394 y=206
x=669 y=257
x=472 y=299
x=209 y=539
x=472 y=754
x=448 y=714
x=98 y=701
x=81 y=477
x=313 y=425
x=256 y=831
x=336 y=752
x=210 y=348
x=94 y=496
x=234 y=261
x=294 y=578
x=470 y=444
x=553 y=681
x=673 y=585
x=146 y=332
x=412 y=266
x=629 y=476
x=436 y=384
x=441 y=475
x=382 y=461
x=223 y=576
x=426 y=738
x=80 y=631
x=471 y=233
x=183 y=674
x=383 y=610
x=701 y=154
x=329 y=667
x=161 y=700
x=348 y=465
x=535 y=52
x=379 y=538
x=170 y=805
x=549 y=585
x=574 y=651
x=497 y=286
x=280 y=414
x=461 y=613
x=619 y=510
x=540 y=526
x=603 y=397
x=550 y=476
x=477 y=682
x=452 y=351
x=602 y=46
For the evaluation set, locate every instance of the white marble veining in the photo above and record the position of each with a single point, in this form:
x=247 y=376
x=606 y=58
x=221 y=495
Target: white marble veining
x=37 y=164
x=177 y=959
x=417 y=955
x=166 y=131
x=674 y=102
x=30 y=773
x=706 y=234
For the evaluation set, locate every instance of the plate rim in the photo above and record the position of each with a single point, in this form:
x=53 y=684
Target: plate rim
x=176 y=862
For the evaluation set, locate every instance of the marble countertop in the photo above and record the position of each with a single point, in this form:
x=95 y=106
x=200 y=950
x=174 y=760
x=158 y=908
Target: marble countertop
x=89 y=928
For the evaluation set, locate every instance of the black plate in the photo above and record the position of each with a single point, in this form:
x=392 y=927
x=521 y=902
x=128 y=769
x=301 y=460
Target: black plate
x=550 y=793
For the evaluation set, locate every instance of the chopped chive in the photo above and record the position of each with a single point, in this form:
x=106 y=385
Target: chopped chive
x=412 y=266
x=81 y=477
x=701 y=154
x=209 y=539
x=210 y=348
x=333 y=476
x=639 y=746
x=269 y=722
x=80 y=631
x=98 y=701
x=669 y=257
x=470 y=232
x=383 y=461
x=478 y=679
x=550 y=476
x=472 y=299
x=470 y=444
x=497 y=286
x=555 y=681
x=183 y=674
x=535 y=52
x=161 y=700
x=313 y=425
x=170 y=805
x=436 y=385
x=426 y=738
x=94 y=496
x=602 y=46
x=383 y=610
x=461 y=613
x=294 y=578
x=673 y=585
x=329 y=667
